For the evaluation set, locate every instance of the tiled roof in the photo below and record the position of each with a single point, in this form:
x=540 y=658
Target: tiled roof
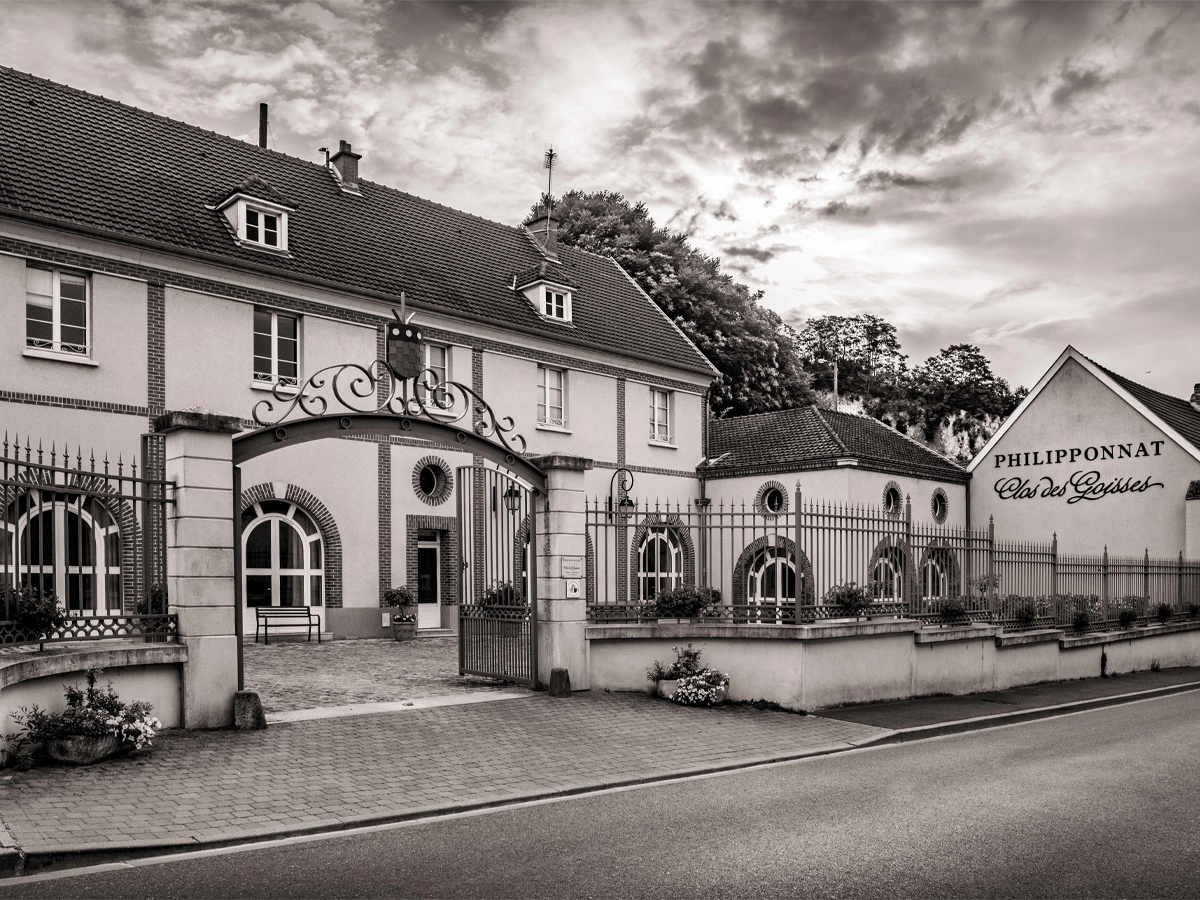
x=81 y=160
x=779 y=440
x=1179 y=414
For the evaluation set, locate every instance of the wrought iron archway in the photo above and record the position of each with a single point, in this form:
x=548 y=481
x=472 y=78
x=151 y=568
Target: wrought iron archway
x=392 y=396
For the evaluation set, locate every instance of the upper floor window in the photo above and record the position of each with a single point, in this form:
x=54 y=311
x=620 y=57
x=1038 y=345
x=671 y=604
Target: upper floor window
x=262 y=228
x=661 y=408
x=437 y=361
x=556 y=303
x=57 y=311
x=552 y=399
x=276 y=348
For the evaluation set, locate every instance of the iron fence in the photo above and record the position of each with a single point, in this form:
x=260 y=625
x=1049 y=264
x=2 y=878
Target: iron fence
x=749 y=564
x=87 y=535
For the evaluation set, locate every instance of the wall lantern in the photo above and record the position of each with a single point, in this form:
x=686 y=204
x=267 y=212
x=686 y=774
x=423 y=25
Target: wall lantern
x=624 y=506
x=512 y=498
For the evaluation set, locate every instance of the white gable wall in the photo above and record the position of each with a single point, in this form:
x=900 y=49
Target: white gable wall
x=1077 y=413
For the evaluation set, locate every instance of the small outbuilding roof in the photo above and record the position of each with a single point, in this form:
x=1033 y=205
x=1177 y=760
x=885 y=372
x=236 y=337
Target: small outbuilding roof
x=811 y=438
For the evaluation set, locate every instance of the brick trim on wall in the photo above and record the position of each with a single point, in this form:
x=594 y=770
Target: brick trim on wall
x=123 y=409
x=156 y=348
x=169 y=278
x=384 y=509
x=331 y=539
x=447 y=528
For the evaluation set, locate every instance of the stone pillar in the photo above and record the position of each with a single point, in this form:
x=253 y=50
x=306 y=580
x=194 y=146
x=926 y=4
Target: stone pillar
x=561 y=579
x=200 y=560
x=1191 y=521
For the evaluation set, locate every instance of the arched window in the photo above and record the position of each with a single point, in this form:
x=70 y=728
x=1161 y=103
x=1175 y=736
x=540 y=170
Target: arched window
x=939 y=573
x=770 y=582
x=887 y=575
x=660 y=562
x=284 y=556
x=65 y=545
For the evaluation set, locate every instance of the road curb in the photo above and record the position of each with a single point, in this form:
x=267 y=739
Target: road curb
x=979 y=723
x=37 y=861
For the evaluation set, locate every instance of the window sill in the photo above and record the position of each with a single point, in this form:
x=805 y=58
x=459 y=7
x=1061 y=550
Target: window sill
x=72 y=358
x=669 y=445
x=285 y=390
x=557 y=428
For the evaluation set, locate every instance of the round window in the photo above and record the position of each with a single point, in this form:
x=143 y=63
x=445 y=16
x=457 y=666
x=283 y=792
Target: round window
x=893 y=500
x=939 y=506
x=773 y=500
x=430 y=480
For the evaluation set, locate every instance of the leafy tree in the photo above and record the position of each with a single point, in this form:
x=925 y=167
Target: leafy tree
x=745 y=341
x=865 y=348
x=960 y=379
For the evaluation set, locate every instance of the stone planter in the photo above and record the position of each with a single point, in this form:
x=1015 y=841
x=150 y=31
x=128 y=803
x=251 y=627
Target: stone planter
x=83 y=749
x=666 y=687
x=404 y=631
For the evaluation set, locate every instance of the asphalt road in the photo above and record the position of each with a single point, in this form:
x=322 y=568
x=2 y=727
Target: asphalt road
x=1099 y=804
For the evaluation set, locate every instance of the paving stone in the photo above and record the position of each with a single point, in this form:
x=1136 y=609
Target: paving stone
x=299 y=675
x=206 y=784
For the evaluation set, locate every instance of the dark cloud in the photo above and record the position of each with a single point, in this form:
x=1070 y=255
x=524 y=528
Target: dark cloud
x=754 y=253
x=1075 y=82
x=843 y=208
x=882 y=180
x=1192 y=108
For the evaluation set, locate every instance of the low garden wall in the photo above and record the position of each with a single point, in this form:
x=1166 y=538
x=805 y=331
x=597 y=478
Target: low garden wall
x=138 y=671
x=836 y=663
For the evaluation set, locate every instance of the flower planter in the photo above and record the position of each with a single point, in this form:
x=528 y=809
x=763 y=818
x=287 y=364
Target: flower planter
x=666 y=687
x=404 y=631
x=83 y=749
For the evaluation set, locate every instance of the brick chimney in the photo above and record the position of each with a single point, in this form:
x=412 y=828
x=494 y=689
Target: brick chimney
x=346 y=163
x=1196 y=397
x=545 y=231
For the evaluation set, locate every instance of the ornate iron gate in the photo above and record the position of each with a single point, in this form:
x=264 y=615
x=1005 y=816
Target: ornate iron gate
x=497 y=612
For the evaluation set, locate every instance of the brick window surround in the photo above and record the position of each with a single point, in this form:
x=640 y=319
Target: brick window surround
x=447 y=531
x=317 y=510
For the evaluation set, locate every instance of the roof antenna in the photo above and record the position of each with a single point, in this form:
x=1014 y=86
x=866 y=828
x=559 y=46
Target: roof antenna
x=548 y=165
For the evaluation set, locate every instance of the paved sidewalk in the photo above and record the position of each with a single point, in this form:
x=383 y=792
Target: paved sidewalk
x=292 y=675
x=226 y=786
x=937 y=710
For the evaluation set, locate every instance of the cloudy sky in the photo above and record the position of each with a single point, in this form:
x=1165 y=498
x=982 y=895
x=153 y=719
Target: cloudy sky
x=1015 y=176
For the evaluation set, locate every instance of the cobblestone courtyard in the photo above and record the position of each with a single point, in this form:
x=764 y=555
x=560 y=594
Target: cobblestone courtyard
x=292 y=675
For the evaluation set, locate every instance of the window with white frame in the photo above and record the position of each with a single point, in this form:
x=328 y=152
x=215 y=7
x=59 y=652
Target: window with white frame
x=57 y=311
x=262 y=227
x=283 y=556
x=556 y=303
x=276 y=348
x=552 y=399
x=661 y=408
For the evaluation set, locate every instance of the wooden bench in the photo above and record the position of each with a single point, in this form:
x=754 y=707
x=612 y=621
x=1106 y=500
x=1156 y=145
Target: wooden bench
x=265 y=616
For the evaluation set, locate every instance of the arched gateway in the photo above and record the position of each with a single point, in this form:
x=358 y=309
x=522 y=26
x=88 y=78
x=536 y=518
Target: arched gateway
x=497 y=590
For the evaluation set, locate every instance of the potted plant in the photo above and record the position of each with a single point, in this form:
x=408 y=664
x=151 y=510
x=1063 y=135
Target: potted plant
x=95 y=725
x=36 y=616
x=687 y=682
x=1026 y=615
x=684 y=603
x=404 y=620
x=850 y=599
x=954 y=611
x=506 y=602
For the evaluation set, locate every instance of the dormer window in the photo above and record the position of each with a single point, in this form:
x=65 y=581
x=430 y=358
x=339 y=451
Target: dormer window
x=262 y=228
x=259 y=225
x=556 y=303
x=548 y=291
x=257 y=215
